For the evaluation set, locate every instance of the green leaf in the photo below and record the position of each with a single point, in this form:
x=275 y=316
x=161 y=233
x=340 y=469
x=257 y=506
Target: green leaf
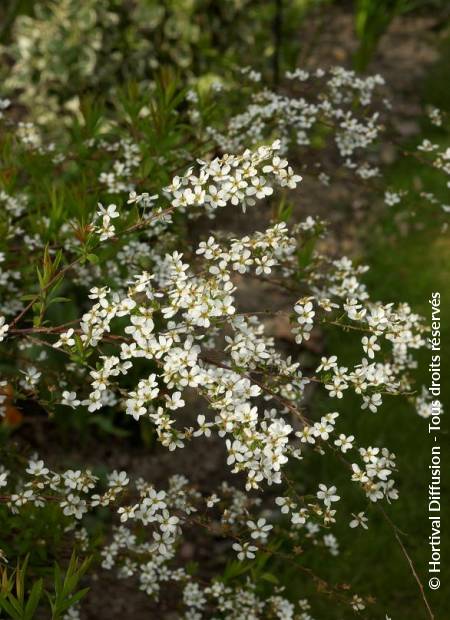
x=4 y=604
x=28 y=297
x=72 y=600
x=33 y=599
x=15 y=605
x=269 y=577
x=235 y=569
x=58 y=300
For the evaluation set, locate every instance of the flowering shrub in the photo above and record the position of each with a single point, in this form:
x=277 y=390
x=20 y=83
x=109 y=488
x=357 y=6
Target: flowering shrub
x=337 y=109
x=160 y=334
x=326 y=101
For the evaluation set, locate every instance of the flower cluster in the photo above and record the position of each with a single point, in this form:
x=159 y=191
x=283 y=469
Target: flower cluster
x=145 y=540
x=161 y=326
x=325 y=104
x=174 y=318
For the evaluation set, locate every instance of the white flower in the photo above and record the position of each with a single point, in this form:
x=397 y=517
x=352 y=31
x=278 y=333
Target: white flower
x=327 y=495
x=203 y=427
x=392 y=198
x=372 y=402
x=212 y=500
x=73 y=505
x=127 y=512
x=344 y=442
x=370 y=346
x=118 y=480
x=32 y=376
x=174 y=401
x=285 y=503
x=70 y=399
x=37 y=468
x=359 y=520
x=66 y=339
x=327 y=363
x=3 y=328
x=260 y=529
x=357 y=603
x=110 y=211
x=299 y=518
x=322 y=429
x=305 y=312
x=168 y=523
x=3 y=478
x=245 y=551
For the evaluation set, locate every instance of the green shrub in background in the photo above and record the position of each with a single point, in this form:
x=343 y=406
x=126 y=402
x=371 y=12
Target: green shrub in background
x=62 y=50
